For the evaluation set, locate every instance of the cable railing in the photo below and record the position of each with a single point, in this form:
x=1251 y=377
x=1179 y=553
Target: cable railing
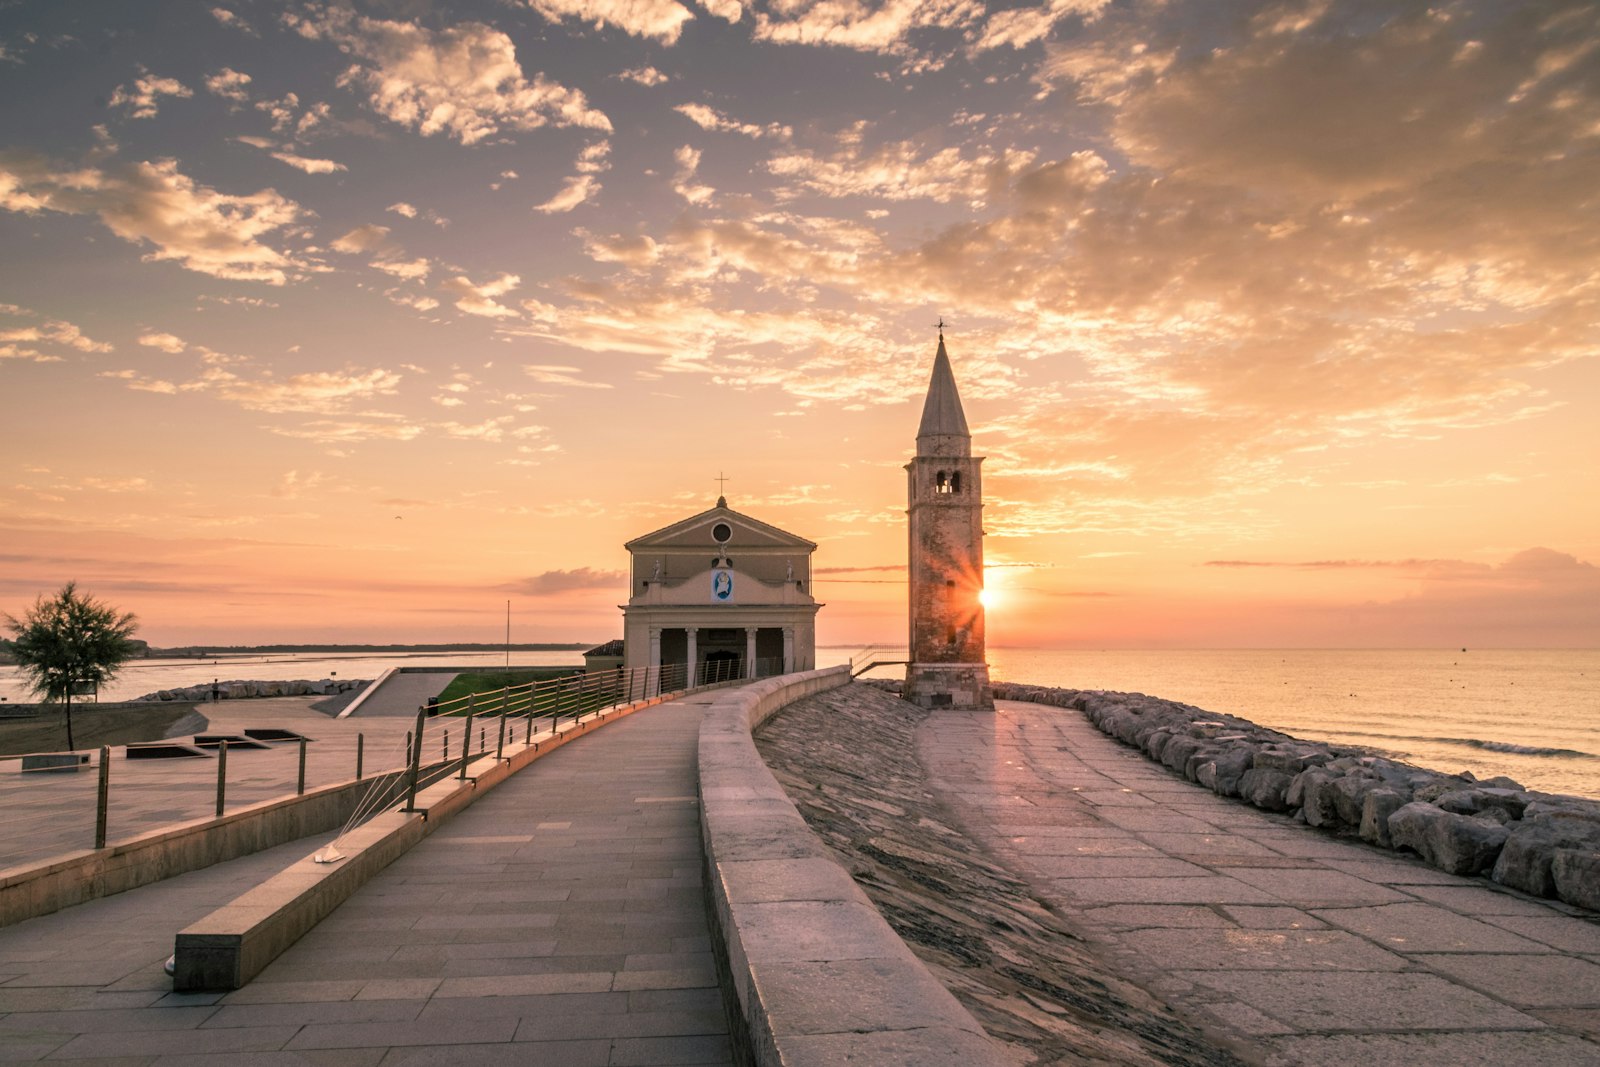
x=447 y=736
x=877 y=656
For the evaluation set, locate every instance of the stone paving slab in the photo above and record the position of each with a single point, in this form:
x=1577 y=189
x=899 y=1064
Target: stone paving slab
x=559 y=920
x=49 y=815
x=1308 y=949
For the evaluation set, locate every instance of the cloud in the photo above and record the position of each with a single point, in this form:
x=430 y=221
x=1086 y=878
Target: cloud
x=362 y=239
x=547 y=374
x=311 y=392
x=463 y=81
x=309 y=166
x=553 y=583
x=660 y=20
x=403 y=209
x=479 y=299
x=583 y=186
x=900 y=170
x=862 y=25
x=646 y=76
x=1020 y=27
x=169 y=343
x=228 y=18
x=577 y=190
x=143 y=101
x=709 y=118
x=229 y=84
x=409 y=269
x=41 y=342
x=683 y=183
x=193 y=225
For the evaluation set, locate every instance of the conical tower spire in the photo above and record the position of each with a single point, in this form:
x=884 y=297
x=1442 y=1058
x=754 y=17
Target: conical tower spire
x=943 y=431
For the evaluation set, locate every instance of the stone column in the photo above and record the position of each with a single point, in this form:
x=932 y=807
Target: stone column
x=694 y=651
x=788 y=649
x=750 y=651
x=655 y=646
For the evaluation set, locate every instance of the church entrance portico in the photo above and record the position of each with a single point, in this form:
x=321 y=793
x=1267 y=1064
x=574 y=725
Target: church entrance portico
x=720 y=595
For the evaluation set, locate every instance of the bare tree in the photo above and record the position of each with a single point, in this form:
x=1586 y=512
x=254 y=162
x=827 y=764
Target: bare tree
x=69 y=643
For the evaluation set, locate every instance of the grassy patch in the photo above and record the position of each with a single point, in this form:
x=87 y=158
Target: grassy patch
x=490 y=681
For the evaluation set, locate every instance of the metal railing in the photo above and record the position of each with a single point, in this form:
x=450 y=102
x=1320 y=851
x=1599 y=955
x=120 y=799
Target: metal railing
x=446 y=738
x=877 y=656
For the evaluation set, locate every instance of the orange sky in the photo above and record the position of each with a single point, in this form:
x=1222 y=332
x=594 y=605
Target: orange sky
x=1276 y=322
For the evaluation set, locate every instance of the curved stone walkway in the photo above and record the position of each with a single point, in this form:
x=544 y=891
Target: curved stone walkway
x=1313 y=950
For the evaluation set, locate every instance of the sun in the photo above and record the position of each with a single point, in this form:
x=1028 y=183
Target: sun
x=989 y=598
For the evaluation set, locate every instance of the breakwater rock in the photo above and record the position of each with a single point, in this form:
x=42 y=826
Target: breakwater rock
x=1541 y=843
x=244 y=690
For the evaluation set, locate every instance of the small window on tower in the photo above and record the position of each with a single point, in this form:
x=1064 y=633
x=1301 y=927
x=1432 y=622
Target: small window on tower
x=955 y=482
x=950 y=636
x=941 y=482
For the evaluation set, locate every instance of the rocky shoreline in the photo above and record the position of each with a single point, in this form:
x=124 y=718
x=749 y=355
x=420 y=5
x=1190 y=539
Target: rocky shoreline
x=1544 y=844
x=237 y=689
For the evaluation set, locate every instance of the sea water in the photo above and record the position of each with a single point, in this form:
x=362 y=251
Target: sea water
x=142 y=676
x=1532 y=715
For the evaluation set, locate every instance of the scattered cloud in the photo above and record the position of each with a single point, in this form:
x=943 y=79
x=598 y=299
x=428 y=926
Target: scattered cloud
x=195 y=226
x=309 y=166
x=480 y=299
x=42 y=342
x=547 y=374
x=362 y=239
x=709 y=118
x=646 y=76
x=403 y=209
x=463 y=81
x=169 y=343
x=143 y=100
x=660 y=20
x=553 y=583
x=229 y=84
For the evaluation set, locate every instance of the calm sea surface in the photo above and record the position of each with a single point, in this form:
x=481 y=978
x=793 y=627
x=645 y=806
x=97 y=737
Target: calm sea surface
x=1534 y=715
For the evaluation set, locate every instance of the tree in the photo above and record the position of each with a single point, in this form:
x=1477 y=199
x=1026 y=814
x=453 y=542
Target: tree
x=70 y=643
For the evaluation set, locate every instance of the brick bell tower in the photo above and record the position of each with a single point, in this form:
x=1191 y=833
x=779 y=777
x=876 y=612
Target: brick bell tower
x=948 y=666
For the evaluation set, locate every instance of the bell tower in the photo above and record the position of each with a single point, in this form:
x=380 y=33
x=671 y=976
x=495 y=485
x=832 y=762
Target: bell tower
x=948 y=666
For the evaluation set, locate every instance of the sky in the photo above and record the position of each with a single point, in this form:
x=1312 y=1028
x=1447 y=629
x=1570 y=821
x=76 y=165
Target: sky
x=1276 y=322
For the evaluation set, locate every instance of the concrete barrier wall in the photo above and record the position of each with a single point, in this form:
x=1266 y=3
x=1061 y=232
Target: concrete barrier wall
x=85 y=875
x=817 y=975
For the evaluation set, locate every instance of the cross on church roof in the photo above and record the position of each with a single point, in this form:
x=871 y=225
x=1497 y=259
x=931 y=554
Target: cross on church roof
x=941 y=327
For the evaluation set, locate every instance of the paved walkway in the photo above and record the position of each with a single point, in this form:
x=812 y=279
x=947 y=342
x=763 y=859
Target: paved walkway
x=559 y=920
x=1312 y=949
x=402 y=693
x=52 y=813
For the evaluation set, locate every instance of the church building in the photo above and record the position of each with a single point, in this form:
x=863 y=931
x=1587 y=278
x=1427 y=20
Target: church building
x=948 y=667
x=723 y=592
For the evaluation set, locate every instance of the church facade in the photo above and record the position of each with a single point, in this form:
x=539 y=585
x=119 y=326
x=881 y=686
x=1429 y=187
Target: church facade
x=722 y=593
x=948 y=662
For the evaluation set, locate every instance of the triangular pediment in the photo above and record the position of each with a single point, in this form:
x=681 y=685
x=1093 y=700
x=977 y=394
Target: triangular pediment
x=695 y=533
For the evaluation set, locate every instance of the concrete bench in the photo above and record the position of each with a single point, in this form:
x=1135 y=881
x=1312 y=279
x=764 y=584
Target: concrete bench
x=55 y=761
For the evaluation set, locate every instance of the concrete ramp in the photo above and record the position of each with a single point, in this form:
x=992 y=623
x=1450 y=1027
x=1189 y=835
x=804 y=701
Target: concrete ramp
x=399 y=693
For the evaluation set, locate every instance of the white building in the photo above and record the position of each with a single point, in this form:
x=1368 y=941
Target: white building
x=724 y=592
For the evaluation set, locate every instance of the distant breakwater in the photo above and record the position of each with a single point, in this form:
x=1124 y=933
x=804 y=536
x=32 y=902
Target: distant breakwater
x=237 y=689
x=1544 y=844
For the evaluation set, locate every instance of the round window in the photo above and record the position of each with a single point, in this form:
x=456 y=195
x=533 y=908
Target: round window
x=722 y=533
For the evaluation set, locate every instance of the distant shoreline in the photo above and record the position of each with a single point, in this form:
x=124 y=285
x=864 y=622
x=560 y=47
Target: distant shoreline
x=209 y=651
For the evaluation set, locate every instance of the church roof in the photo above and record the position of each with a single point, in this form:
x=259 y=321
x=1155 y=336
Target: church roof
x=685 y=532
x=941 y=411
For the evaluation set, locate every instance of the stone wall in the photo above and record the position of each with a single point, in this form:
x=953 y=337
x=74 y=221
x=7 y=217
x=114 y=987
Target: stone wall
x=243 y=690
x=1541 y=843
